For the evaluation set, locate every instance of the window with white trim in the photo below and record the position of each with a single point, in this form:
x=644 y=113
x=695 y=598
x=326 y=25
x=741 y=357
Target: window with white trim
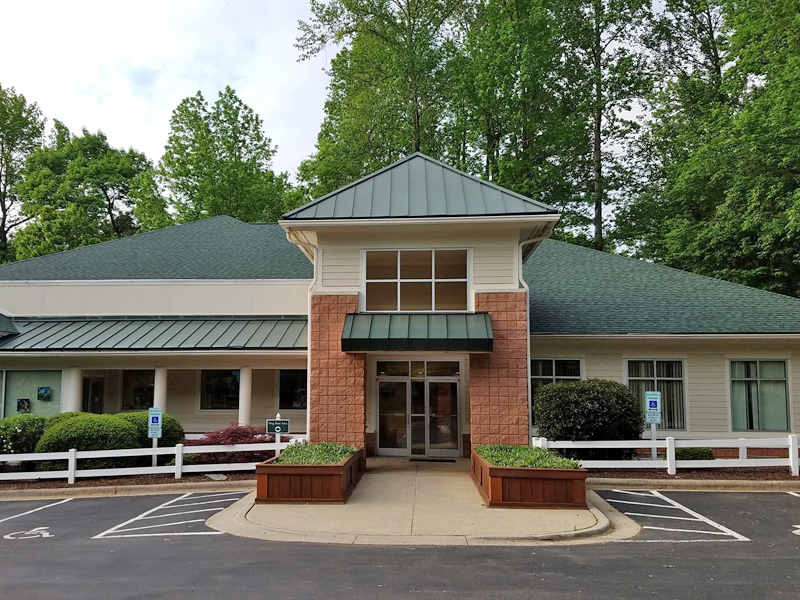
x=551 y=370
x=416 y=280
x=665 y=376
x=759 y=395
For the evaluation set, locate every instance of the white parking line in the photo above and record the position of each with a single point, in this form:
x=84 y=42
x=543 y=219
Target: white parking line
x=706 y=520
x=123 y=530
x=35 y=510
x=668 y=503
x=795 y=494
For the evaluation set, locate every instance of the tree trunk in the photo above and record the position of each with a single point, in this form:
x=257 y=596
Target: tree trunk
x=597 y=157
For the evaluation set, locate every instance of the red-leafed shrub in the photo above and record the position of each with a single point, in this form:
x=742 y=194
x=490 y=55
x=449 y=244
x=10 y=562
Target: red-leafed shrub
x=231 y=435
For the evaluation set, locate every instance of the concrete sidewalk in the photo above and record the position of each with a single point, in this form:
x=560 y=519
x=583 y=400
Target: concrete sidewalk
x=399 y=502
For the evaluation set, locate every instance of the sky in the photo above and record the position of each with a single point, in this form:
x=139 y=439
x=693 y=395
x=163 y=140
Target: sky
x=123 y=67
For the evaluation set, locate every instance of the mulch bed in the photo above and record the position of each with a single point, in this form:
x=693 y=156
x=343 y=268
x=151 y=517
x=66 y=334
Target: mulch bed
x=742 y=473
x=127 y=480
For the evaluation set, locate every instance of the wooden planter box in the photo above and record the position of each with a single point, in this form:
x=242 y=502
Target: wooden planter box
x=331 y=484
x=521 y=487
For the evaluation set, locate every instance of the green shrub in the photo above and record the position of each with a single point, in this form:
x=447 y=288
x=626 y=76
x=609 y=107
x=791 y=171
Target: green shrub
x=589 y=410
x=21 y=433
x=500 y=455
x=171 y=429
x=694 y=453
x=89 y=432
x=322 y=453
x=56 y=419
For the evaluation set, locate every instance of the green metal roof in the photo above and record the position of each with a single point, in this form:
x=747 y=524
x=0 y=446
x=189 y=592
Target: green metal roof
x=157 y=333
x=576 y=290
x=216 y=248
x=418 y=186
x=418 y=331
x=6 y=325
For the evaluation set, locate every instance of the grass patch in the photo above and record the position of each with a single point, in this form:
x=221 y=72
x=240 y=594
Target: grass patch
x=500 y=455
x=322 y=453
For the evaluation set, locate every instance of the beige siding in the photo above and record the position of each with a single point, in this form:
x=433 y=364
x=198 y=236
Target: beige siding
x=493 y=257
x=706 y=374
x=154 y=298
x=707 y=383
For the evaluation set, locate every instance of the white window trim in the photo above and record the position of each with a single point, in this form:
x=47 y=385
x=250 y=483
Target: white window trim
x=278 y=393
x=789 y=398
x=215 y=411
x=684 y=379
x=581 y=377
x=362 y=302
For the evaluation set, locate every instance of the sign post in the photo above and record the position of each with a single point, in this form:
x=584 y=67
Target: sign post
x=154 y=424
x=277 y=426
x=652 y=416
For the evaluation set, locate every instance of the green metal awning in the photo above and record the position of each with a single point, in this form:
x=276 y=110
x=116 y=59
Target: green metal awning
x=115 y=334
x=400 y=332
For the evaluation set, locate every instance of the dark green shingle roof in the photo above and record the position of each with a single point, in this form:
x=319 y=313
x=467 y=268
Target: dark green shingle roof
x=417 y=332
x=418 y=186
x=115 y=334
x=6 y=325
x=576 y=290
x=215 y=248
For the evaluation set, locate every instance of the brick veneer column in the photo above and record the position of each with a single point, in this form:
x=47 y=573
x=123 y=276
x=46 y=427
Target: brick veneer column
x=337 y=400
x=498 y=381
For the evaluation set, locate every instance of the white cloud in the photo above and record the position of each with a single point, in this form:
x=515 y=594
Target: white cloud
x=123 y=67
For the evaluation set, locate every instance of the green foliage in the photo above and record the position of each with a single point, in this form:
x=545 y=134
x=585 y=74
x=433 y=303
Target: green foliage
x=89 y=432
x=218 y=162
x=588 y=410
x=76 y=190
x=21 y=129
x=694 y=453
x=21 y=433
x=500 y=455
x=60 y=417
x=171 y=429
x=323 y=453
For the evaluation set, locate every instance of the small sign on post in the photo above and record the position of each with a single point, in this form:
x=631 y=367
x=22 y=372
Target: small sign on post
x=652 y=416
x=154 y=427
x=278 y=426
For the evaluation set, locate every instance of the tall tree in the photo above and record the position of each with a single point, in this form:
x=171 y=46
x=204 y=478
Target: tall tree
x=388 y=90
x=608 y=75
x=76 y=191
x=218 y=161
x=21 y=130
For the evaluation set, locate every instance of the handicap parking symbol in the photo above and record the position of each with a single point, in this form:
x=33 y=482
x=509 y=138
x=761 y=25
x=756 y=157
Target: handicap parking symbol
x=654 y=404
x=38 y=532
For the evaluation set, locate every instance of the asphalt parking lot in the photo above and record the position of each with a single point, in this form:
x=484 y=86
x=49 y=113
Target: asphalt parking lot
x=698 y=545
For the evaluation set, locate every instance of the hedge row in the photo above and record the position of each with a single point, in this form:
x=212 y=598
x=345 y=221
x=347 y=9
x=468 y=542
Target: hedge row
x=24 y=434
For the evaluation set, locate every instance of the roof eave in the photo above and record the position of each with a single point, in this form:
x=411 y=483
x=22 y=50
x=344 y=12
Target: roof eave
x=311 y=223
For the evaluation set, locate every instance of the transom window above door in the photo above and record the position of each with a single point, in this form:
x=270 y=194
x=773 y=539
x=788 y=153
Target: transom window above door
x=416 y=280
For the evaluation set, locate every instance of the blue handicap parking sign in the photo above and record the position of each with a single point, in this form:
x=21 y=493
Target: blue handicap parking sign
x=653 y=403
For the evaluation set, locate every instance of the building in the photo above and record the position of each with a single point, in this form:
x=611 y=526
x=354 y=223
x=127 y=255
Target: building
x=418 y=306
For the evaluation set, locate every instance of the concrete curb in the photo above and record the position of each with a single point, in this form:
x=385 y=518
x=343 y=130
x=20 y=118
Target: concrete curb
x=694 y=485
x=106 y=491
x=233 y=520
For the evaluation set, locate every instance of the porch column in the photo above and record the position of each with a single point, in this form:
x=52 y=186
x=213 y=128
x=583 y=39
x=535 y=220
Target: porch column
x=73 y=392
x=245 y=393
x=160 y=389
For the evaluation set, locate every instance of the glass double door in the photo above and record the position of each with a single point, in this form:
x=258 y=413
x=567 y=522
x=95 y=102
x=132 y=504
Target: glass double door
x=418 y=416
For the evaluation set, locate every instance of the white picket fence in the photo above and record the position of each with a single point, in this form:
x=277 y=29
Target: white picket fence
x=671 y=464
x=178 y=452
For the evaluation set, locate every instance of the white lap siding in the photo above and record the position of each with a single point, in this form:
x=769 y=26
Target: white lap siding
x=706 y=373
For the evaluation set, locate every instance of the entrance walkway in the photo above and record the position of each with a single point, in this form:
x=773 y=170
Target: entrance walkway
x=400 y=502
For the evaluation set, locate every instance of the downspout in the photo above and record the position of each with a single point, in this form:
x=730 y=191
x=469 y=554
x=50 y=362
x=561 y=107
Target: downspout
x=313 y=251
x=527 y=326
